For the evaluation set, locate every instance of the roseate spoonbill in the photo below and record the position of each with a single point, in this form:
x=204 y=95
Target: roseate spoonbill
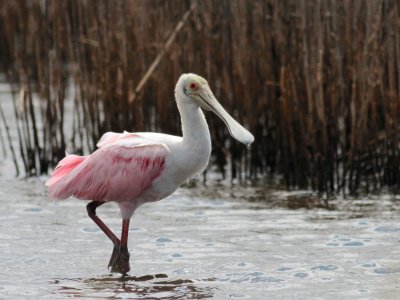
x=135 y=168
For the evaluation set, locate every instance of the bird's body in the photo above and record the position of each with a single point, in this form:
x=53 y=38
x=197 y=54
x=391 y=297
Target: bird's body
x=135 y=168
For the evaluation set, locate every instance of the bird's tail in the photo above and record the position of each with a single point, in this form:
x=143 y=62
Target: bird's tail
x=64 y=167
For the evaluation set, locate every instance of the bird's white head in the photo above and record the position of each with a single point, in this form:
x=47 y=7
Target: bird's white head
x=192 y=88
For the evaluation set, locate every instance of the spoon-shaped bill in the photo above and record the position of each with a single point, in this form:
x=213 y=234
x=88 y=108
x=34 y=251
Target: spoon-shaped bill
x=236 y=130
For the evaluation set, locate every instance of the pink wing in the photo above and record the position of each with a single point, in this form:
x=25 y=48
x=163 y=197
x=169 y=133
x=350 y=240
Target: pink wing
x=124 y=166
x=111 y=137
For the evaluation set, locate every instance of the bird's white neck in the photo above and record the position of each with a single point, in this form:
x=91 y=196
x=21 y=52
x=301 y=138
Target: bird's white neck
x=195 y=148
x=194 y=125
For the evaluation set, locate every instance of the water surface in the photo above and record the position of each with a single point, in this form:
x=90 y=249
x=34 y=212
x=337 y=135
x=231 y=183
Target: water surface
x=217 y=242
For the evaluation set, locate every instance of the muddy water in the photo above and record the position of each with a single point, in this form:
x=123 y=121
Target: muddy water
x=213 y=242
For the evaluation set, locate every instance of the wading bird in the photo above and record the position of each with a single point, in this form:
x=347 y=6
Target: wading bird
x=135 y=168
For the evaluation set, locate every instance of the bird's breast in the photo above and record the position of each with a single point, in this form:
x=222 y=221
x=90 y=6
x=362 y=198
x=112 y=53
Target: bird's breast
x=195 y=157
x=185 y=161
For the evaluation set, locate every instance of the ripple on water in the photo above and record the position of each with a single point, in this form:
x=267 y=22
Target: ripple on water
x=353 y=244
x=163 y=240
x=218 y=202
x=301 y=275
x=282 y=269
x=181 y=271
x=91 y=229
x=385 y=271
x=344 y=239
x=252 y=277
x=333 y=244
x=344 y=242
x=324 y=268
x=369 y=265
x=238 y=296
x=33 y=209
x=136 y=229
x=363 y=223
x=387 y=229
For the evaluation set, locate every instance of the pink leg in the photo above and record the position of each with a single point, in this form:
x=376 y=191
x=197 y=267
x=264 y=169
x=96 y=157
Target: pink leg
x=119 y=261
x=124 y=253
x=91 y=209
x=124 y=234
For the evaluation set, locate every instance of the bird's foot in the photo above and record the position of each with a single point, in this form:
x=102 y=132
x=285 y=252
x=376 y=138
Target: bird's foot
x=119 y=261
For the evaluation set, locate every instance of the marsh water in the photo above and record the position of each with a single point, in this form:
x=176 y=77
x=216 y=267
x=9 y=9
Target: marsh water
x=216 y=241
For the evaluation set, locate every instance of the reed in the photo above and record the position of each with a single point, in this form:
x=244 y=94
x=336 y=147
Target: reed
x=317 y=82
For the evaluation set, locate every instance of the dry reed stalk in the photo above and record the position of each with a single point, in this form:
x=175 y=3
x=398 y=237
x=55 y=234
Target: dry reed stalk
x=316 y=81
x=161 y=54
x=9 y=140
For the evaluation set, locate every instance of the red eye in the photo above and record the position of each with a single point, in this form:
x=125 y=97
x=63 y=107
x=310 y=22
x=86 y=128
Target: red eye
x=193 y=86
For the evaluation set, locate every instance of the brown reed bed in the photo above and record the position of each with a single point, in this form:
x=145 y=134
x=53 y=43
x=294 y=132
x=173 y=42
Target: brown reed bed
x=317 y=82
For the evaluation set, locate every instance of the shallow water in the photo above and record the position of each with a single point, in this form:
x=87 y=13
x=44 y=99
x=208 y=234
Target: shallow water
x=215 y=242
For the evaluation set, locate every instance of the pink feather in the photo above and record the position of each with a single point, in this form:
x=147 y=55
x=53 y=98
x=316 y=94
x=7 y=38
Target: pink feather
x=123 y=168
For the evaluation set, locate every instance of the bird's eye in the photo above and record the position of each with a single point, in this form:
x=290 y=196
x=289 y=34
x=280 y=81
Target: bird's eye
x=193 y=86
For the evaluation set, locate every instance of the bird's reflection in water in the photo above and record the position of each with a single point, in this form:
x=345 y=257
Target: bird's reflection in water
x=131 y=287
